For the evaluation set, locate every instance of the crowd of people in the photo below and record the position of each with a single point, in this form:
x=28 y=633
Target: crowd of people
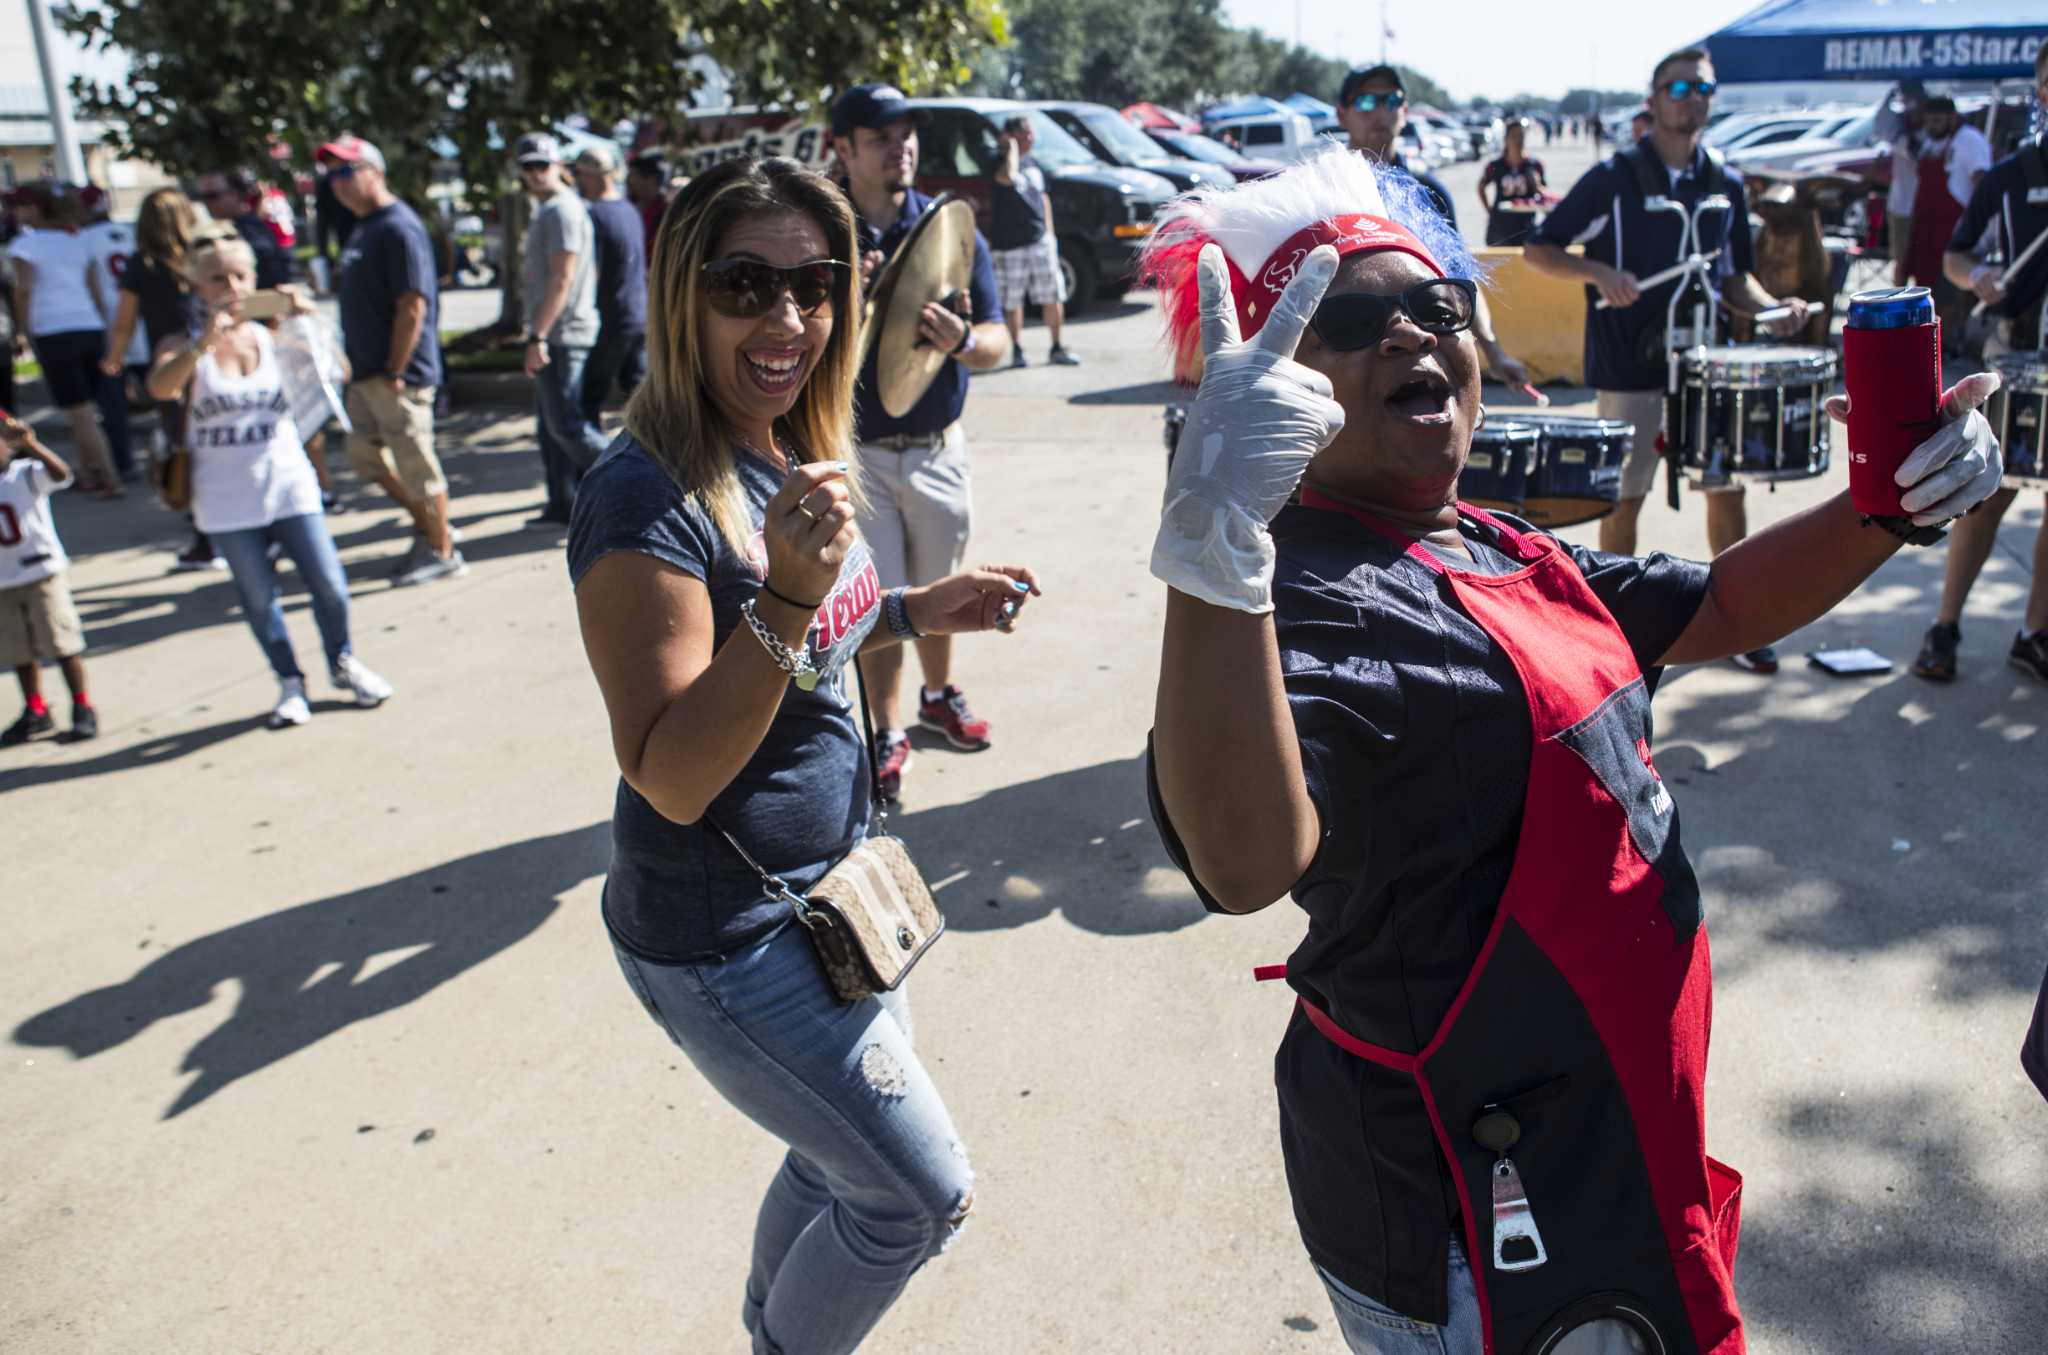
x=1402 y=694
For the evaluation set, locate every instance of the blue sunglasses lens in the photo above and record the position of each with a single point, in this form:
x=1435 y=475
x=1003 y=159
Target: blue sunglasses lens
x=1366 y=103
x=1684 y=88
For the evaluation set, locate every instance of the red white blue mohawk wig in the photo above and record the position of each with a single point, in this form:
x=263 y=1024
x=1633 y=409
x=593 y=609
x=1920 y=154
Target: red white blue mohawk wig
x=1267 y=227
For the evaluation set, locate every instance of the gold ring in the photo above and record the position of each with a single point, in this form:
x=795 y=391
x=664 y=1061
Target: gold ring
x=805 y=510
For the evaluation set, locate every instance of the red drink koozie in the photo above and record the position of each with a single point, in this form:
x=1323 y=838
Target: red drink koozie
x=1891 y=365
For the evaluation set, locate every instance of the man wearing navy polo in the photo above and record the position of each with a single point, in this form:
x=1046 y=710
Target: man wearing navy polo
x=1628 y=358
x=1372 y=108
x=913 y=469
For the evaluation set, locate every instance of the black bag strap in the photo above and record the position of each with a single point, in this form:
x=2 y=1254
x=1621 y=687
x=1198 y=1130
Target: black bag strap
x=775 y=884
x=2034 y=163
x=1646 y=171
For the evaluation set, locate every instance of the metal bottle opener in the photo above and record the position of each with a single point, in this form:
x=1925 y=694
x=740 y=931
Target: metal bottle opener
x=1517 y=1245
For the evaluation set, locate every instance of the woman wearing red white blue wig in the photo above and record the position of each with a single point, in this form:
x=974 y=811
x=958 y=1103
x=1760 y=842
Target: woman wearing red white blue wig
x=1431 y=726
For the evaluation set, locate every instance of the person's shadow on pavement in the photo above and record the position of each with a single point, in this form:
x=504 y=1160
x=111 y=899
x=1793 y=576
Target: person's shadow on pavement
x=301 y=970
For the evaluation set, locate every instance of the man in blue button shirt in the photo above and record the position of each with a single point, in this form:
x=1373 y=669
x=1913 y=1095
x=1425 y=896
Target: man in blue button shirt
x=1628 y=357
x=914 y=469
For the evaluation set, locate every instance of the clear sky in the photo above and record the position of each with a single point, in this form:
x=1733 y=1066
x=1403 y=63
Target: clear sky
x=1498 y=47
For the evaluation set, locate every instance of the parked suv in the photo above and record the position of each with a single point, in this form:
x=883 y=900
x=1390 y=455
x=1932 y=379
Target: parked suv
x=1103 y=212
x=1117 y=141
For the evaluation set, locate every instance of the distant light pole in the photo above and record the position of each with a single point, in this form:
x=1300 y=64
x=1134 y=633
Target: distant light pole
x=70 y=164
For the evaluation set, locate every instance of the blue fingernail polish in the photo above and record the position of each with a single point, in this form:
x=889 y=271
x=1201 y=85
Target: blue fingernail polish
x=1020 y=585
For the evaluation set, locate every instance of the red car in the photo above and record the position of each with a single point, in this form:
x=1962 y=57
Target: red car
x=1195 y=146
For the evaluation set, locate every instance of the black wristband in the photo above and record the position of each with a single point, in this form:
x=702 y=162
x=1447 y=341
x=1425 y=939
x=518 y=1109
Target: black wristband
x=965 y=339
x=1906 y=529
x=788 y=601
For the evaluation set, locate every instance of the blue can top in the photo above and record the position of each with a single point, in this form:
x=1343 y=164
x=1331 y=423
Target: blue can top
x=1890 y=308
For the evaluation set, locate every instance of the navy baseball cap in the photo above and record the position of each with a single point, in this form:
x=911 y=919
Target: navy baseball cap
x=873 y=106
x=1357 y=76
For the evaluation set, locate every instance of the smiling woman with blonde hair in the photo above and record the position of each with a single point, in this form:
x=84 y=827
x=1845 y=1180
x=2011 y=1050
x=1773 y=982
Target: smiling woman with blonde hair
x=723 y=591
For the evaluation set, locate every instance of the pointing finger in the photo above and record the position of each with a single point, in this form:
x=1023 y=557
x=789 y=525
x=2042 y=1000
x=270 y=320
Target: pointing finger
x=1218 y=307
x=1282 y=332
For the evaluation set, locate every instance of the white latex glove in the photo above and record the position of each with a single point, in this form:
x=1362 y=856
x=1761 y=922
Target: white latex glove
x=1956 y=469
x=1256 y=422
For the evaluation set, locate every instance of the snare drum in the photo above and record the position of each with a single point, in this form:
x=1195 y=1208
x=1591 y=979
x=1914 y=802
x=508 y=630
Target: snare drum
x=2019 y=415
x=1753 y=413
x=1578 y=468
x=1498 y=467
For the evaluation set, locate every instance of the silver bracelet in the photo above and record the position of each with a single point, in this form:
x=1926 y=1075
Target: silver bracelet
x=896 y=615
x=796 y=664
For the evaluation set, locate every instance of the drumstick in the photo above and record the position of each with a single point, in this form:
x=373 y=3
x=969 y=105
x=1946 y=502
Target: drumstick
x=1659 y=279
x=1771 y=316
x=2026 y=257
x=1528 y=389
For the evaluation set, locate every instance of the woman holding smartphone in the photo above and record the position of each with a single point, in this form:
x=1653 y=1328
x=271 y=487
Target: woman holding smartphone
x=252 y=486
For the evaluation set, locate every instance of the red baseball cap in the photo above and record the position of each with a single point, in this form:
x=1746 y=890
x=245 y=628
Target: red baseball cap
x=351 y=150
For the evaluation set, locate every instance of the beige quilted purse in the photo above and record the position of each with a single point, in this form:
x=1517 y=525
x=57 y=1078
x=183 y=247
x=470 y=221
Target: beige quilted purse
x=872 y=917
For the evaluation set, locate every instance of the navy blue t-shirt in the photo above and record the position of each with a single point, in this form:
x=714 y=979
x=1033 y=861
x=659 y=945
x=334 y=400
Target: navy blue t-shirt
x=2006 y=213
x=1625 y=346
x=387 y=255
x=621 y=265
x=679 y=892
x=941 y=405
x=1414 y=732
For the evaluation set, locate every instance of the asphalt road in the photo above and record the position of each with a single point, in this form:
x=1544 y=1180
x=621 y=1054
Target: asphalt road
x=315 y=1042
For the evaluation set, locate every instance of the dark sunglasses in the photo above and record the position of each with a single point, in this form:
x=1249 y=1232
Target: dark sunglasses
x=342 y=169
x=1685 y=89
x=1359 y=319
x=1365 y=103
x=748 y=288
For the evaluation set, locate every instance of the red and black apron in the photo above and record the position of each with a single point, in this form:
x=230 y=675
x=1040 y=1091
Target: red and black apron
x=1935 y=213
x=1565 y=1085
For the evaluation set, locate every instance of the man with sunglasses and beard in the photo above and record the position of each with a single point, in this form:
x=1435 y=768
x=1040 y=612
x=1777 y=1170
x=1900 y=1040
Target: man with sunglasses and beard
x=1372 y=108
x=1628 y=349
x=919 y=511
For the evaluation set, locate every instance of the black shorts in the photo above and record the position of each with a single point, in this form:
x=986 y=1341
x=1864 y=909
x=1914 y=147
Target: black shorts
x=71 y=364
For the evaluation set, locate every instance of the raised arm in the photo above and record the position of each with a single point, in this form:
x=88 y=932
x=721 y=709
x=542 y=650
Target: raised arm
x=1796 y=570
x=1225 y=752
x=686 y=718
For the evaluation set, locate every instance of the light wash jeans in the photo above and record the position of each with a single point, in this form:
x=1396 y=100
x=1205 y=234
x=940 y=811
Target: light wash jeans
x=570 y=443
x=876 y=1181
x=305 y=540
x=1372 y=1328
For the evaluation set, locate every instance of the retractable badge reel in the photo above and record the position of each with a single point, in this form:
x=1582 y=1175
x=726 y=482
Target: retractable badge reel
x=1516 y=1243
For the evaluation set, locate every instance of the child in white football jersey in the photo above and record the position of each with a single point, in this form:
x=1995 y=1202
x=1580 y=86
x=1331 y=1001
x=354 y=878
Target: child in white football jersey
x=37 y=620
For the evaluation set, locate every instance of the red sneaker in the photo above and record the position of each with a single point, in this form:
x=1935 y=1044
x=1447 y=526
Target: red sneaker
x=892 y=759
x=947 y=714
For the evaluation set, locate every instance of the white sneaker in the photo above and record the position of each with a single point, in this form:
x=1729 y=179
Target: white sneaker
x=352 y=677
x=291 y=708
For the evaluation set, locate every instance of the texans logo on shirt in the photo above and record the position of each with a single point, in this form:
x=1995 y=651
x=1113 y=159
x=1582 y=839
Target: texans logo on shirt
x=845 y=607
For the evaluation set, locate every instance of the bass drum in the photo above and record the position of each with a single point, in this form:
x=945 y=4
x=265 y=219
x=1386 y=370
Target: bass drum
x=1498 y=468
x=1578 y=468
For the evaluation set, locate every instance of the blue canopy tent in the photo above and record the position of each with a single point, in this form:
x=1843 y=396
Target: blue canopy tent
x=1928 y=41
x=1322 y=116
x=1256 y=106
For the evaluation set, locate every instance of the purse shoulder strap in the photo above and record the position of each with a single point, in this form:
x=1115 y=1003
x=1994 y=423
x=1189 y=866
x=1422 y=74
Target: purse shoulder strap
x=775 y=884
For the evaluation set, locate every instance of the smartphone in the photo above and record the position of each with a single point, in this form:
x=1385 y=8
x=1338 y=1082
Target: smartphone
x=267 y=304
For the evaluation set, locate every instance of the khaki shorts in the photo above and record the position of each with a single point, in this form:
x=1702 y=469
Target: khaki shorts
x=393 y=436
x=920 y=508
x=38 y=622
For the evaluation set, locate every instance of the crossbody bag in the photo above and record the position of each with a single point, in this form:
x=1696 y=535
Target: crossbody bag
x=872 y=917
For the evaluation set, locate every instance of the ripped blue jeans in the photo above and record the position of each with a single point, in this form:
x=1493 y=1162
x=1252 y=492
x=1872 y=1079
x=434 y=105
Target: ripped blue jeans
x=876 y=1181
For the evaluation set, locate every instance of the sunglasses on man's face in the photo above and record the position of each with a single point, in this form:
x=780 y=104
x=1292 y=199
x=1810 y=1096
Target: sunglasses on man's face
x=341 y=170
x=747 y=289
x=1685 y=89
x=1356 y=320
x=1366 y=103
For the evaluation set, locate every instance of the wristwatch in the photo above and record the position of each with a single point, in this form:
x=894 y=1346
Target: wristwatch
x=1906 y=529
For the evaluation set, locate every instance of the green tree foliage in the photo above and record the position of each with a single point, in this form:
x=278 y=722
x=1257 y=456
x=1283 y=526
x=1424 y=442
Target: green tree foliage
x=1180 y=53
x=231 y=82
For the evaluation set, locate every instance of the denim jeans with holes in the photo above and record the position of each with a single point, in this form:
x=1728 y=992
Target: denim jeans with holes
x=876 y=1181
x=305 y=540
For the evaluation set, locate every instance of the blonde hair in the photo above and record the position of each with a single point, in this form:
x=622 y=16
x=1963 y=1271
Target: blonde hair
x=672 y=415
x=217 y=245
